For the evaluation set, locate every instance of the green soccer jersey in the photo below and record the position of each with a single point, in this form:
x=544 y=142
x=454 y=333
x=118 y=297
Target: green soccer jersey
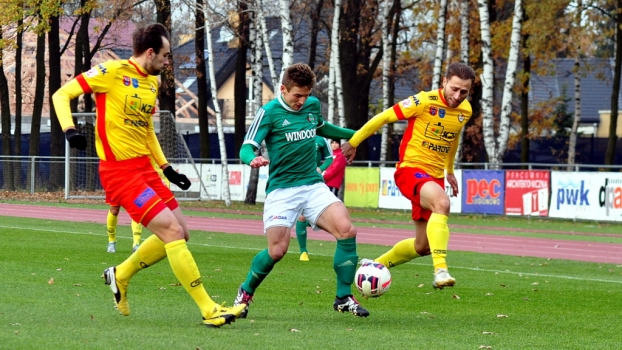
x=323 y=150
x=290 y=140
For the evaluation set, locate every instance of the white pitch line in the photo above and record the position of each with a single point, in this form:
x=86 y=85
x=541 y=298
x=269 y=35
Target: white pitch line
x=326 y=255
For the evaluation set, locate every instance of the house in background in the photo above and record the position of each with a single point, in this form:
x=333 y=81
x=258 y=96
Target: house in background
x=596 y=85
x=225 y=46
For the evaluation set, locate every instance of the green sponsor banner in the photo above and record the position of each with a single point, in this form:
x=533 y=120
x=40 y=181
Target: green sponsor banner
x=361 y=189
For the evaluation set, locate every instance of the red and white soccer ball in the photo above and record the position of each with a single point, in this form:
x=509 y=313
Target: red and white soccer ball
x=372 y=279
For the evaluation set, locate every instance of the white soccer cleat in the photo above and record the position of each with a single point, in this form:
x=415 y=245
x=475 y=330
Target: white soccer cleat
x=443 y=279
x=365 y=261
x=112 y=247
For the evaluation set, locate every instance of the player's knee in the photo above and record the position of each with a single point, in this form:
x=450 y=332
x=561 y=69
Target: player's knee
x=347 y=232
x=441 y=205
x=277 y=253
x=114 y=211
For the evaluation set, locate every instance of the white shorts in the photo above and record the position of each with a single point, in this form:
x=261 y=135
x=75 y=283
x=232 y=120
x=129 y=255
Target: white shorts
x=283 y=205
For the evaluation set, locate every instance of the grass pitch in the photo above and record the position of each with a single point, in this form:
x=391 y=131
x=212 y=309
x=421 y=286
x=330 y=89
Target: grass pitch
x=52 y=297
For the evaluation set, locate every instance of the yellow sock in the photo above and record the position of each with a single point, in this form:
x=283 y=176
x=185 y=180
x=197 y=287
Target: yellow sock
x=438 y=237
x=151 y=251
x=137 y=230
x=186 y=270
x=402 y=252
x=111 y=225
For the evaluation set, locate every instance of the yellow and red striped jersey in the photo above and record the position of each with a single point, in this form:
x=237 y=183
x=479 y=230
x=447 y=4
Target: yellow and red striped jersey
x=432 y=134
x=125 y=97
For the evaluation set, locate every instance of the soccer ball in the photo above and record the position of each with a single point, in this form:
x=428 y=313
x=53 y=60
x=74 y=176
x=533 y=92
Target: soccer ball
x=373 y=279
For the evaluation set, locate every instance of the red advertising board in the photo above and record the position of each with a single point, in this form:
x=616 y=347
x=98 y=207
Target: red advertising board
x=527 y=192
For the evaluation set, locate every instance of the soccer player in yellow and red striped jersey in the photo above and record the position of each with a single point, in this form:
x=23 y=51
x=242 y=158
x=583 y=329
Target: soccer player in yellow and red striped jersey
x=125 y=93
x=427 y=151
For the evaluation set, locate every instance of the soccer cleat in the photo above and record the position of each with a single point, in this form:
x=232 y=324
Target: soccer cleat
x=118 y=289
x=223 y=315
x=135 y=248
x=112 y=247
x=442 y=279
x=365 y=261
x=349 y=304
x=304 y=256
x=243 y=298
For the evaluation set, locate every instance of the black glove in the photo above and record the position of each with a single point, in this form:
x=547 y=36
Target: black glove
x=178 y=179
x=76 y=140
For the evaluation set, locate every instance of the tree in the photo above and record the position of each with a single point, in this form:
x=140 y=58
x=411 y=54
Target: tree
x=5 y=109
x=615 y=90
x=257 y=79
x=166 y=94
x=440 y=45
x=486 y=78
x=214 y=91
x=201 y=72
x=508 y=90
x=357 y=26
x=57 y=138
x=240 y=89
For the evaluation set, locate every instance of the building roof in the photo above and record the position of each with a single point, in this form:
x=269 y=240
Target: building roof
x=596 y=85
x=225 y=56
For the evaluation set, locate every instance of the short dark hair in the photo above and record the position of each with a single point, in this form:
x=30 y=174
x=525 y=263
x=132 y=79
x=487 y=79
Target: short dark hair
x=149 y=37
x=460 y=70
x=298 y=74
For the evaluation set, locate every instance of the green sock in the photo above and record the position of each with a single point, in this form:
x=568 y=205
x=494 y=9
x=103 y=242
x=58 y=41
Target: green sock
x=345 y=266
x=301 y=235
x=260 y=268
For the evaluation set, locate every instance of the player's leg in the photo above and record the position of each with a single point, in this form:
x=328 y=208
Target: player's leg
x=328 y=212
x=434 y=198
x=111 y=226
x=301 y=237
x=280 y=212
x=170 y=226
x=137 y=230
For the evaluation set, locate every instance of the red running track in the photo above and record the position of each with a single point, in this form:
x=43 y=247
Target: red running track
x=483 y=243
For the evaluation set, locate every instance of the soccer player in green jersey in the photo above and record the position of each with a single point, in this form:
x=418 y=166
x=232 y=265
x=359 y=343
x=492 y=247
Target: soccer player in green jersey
x=324 y=158
x=288 y=124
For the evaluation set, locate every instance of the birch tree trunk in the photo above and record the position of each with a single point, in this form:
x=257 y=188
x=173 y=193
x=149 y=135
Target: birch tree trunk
x=335 y=87
x=263 y=28
x=338 y=79
x=288 y=36
x=386 y=62
x=464 y=31
x=508 y=88
x=464 y=58
x=331 y=88
x=572 y=140
x=214 y=90
x=440 y=45
x=487 y=81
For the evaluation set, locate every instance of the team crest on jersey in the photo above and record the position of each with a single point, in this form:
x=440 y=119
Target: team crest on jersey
x=433 y=110
x=126 y=80
x=441 y=113
x=135 y=82
x=460 y=117
x=93 y=72
x=311 y=118
x=406 y=103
